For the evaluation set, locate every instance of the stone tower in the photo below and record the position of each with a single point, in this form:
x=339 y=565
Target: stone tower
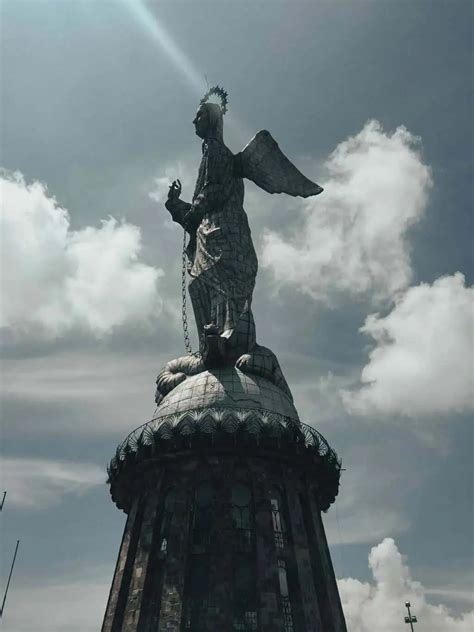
x=224 y=490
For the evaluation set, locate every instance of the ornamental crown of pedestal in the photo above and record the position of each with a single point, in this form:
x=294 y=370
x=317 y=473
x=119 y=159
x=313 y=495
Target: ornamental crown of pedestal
x=223 y=410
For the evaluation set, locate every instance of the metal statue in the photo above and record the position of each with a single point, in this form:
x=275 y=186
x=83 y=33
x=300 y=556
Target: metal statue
x=221 y=257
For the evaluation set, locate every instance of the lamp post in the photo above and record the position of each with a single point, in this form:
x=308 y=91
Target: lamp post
x=411 y=619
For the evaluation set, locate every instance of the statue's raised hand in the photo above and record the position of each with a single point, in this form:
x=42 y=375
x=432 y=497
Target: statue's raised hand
x=174 y=190
x=178 y=208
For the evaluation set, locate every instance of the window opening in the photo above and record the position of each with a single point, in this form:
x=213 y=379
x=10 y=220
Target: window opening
x=285 y=597
x=277 y=518
x=242 y=519
x=168 y=510
x=204 y=510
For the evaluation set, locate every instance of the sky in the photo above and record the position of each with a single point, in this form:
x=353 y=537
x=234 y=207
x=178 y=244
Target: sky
x=364 y=292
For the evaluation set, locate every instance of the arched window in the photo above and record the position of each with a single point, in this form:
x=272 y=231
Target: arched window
x=168 y=510
x=204 y=512
x=200 y=602
x=242 y=518
x=244 y=609
x=285 y=596
x=279 y=528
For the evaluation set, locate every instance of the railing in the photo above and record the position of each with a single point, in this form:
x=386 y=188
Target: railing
x=259 y=423
x=245 y=622
x=227 y=426
x=287 y=615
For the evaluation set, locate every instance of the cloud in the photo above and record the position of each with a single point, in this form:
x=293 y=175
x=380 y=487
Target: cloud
x=380 y=604
x=55 y=279
x=39 y=483
x=181 y=170
x=466 y=596
x=422 y=363
x=70 y=394
x=370 y=502
x=80 y=377
x=57 y=605
x=353 y=238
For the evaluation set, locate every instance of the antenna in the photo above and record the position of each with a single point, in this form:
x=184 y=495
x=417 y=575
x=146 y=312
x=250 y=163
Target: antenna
x=13 y=563
x=9 y=578
x=207 y=82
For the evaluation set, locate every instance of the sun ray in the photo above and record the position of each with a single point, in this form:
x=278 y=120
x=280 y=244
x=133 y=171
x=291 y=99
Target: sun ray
x=150 y=23
x=159 y=35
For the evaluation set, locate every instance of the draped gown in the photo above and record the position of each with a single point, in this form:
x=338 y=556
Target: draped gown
x=222 y=260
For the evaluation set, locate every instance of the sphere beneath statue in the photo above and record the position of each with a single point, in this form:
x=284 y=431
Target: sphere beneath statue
x=226 y=387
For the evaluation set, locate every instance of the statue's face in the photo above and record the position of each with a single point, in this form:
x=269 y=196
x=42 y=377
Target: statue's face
x=201 y=123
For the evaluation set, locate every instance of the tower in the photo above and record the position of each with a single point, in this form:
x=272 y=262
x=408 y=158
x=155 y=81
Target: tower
x=224 y=488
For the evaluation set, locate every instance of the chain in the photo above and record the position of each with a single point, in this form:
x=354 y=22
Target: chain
x=187 y=341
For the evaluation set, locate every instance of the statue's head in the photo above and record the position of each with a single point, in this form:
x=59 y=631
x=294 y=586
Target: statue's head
x=208 y=122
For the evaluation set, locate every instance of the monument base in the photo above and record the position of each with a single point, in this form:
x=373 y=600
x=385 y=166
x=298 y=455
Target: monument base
x=224 y=492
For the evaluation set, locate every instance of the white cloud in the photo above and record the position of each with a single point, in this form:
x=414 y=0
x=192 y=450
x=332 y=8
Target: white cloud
x=71 y=603
x=57 y=605
x=381 y=605
x=181 y=170
x=326 y=390
x=38 y=483
x=54 y=278
x=353 y=237
x=422 y=363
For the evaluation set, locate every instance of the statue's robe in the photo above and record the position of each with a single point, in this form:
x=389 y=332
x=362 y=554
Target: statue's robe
x=222 y=260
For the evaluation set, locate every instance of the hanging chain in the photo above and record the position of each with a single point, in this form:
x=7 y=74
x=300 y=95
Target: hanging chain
x=187 y=341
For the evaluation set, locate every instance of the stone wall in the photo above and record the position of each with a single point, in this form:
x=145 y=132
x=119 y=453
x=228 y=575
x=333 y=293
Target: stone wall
x=167 y=586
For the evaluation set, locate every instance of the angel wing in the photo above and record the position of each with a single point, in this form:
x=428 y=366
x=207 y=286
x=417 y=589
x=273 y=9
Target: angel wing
x=263 y=162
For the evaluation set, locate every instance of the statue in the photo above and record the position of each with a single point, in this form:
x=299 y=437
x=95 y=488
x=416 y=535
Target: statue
x=222 y=262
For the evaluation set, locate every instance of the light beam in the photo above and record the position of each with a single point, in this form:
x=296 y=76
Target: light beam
x=158 y=34
x=196 y=80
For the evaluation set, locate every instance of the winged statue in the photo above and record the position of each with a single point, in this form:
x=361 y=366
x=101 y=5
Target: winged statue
x=222 y=263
